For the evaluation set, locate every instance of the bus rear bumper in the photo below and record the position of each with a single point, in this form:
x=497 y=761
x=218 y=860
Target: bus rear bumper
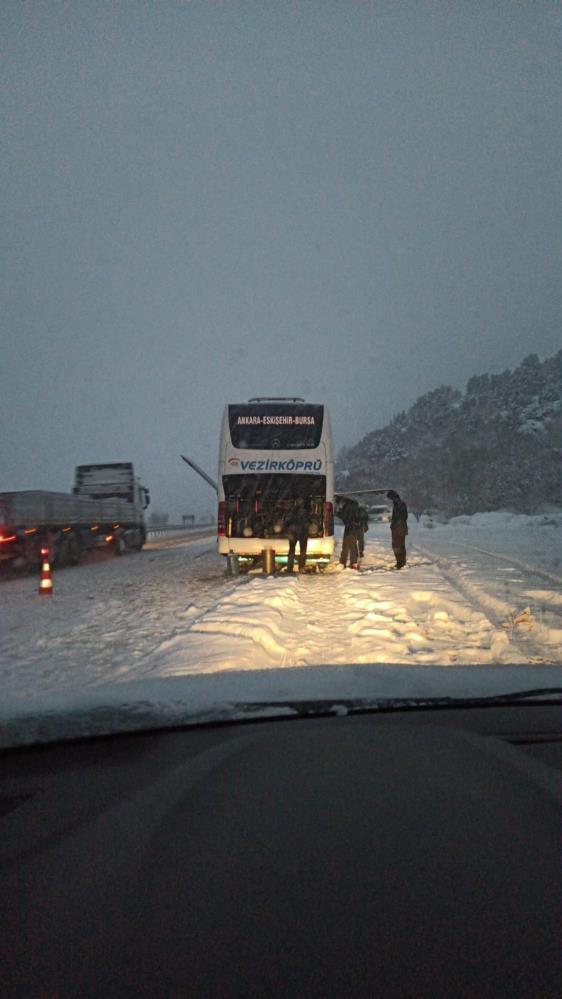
x=317 y=548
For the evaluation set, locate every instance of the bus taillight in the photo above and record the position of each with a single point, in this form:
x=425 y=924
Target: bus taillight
x=221 y=522
x=328 y=519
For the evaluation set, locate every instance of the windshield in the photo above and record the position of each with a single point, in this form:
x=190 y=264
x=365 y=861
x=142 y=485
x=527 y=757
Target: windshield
x=315 y=249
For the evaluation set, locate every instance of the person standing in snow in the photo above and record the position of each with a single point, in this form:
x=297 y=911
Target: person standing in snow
x=347 y=510
x=398 y=527
x=363 y=512
x=296 y=525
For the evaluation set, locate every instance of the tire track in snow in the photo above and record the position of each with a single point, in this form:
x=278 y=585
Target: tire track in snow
x=500 y=613
x=550 y=577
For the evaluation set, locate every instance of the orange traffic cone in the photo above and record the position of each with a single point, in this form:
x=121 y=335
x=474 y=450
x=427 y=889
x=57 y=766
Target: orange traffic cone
x=45 y=583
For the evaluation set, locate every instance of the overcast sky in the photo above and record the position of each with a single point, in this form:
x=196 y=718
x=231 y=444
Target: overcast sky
x=201 y=202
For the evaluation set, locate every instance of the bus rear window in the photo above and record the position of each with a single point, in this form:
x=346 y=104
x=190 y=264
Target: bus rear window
x=284 y=427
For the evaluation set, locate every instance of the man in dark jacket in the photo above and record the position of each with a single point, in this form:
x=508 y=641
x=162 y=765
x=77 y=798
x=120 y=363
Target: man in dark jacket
x=296 y=525
x=347 y=510
x=398 y=527
x=363 y=512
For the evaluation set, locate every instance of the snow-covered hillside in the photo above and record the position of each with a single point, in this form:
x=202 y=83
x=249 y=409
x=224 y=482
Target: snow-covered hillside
x=497 y=445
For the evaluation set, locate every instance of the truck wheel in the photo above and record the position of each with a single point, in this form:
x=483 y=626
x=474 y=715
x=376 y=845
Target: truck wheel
x=31 y=559
x=119 y=546
x=73 y=552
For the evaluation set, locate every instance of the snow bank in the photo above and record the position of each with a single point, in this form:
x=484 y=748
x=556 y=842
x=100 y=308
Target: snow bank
x=502 y=519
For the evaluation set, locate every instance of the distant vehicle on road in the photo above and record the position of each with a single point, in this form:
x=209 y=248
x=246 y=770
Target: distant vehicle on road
x=380 y=512
x=105 y=510
x=273 y=451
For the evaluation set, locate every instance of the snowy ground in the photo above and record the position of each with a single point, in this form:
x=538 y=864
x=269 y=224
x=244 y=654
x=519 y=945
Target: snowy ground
x=478 y=591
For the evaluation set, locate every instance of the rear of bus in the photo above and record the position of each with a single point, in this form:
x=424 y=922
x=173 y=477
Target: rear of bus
x=271 y=453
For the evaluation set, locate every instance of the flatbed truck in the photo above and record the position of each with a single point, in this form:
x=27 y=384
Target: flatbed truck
x=105 y=510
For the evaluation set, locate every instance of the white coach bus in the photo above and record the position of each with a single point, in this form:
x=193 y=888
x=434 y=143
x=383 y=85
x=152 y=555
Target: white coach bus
x=271 y=452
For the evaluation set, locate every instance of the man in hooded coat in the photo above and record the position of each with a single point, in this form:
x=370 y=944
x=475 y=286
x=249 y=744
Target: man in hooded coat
x=364 y=514
x=296 y=525
x=347 y=510
x=398 y=527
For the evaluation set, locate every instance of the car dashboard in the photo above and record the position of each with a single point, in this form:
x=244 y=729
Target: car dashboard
x=398 y=854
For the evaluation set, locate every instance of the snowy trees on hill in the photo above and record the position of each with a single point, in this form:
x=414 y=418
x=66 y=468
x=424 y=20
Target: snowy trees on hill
x=498 y=445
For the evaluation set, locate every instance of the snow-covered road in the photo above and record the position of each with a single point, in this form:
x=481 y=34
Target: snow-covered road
x=473 y=592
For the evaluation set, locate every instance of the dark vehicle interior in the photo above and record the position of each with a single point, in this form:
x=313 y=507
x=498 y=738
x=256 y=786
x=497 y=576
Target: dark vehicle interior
x=258 y=505
x=403 y=853
x=276 y=425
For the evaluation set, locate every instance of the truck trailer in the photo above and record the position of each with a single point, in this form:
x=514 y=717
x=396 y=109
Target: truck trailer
x=105 y=510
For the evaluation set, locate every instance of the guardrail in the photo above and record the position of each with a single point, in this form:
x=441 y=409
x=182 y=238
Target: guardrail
x=156 y=531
